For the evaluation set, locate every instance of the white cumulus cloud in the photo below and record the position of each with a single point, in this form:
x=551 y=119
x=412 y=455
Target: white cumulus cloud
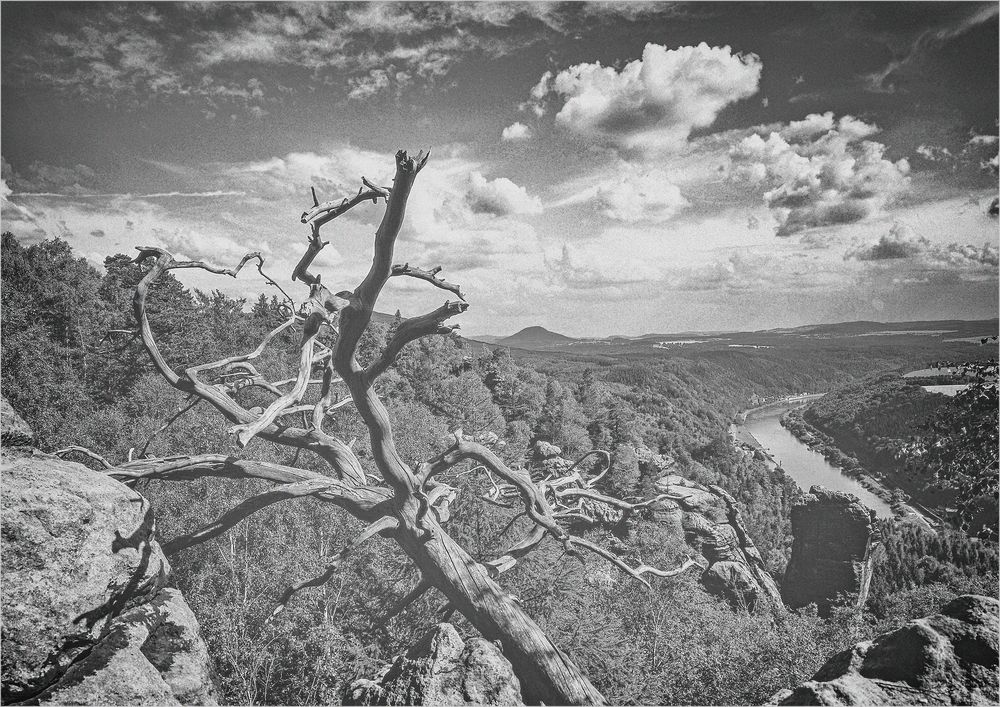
x=500 y=197
x=654 y=102
x=818 y=172
x=515 y=132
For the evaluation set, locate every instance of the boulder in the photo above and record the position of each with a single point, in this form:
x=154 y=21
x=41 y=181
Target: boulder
x=544 y=450
x=652 y=464
x=87 y=614
x=14 y=431
x=835 y=537
x=713 y=527
x=442 y=669
x=948 y=658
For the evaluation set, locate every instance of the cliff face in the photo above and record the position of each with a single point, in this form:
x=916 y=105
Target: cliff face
x=88 y=617
x=707 y=517
x=835 y=537
x=946 y=659
x=713 y=527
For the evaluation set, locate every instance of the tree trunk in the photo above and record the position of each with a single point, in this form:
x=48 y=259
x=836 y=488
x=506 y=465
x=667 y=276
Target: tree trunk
x=546 y=674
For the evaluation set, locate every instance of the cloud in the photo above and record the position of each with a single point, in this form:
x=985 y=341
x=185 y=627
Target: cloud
x=911 y=54
x=899 y=242
x=42 y=177
x=978 y=154
x=933 y=153
x=630 y=193
x=363 y=87
x=210 y=51
x=580 y=268
x=817 y=172
x=902 y=243
x=500 y=197
x=515 y=133
x=984 y=140
x=654 y=102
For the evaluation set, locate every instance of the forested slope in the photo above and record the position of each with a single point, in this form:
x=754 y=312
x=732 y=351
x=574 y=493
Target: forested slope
x=77 y=384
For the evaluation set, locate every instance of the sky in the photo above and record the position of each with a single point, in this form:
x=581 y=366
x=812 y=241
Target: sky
x=596 y=169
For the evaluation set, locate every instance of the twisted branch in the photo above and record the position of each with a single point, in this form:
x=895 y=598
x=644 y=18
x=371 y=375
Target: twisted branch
x=635 y=572
x=189 y=403
x=427 y=275
x=411 y=330
x=362 y=501
x=334 y=451
x=309 y=487
x=382 y=525
x=411 y=596
x=86 y=452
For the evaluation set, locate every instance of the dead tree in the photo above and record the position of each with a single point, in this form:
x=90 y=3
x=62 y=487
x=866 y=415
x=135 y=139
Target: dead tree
x=408 y=503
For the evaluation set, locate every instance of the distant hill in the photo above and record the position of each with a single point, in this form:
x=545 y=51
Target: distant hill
x=854 y=334
x=535 y=337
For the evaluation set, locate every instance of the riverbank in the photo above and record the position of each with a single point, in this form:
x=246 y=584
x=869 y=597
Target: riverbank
x=816 y=440
x=766 y=439
x=744 y=415
x=802 y=459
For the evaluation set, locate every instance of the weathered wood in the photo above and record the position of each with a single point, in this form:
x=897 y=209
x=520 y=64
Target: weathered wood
x=412 y=506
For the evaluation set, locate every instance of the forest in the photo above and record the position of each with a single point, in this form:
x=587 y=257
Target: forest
x=73 y=369
x=871 y=426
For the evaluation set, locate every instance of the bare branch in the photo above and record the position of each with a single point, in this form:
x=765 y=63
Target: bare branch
x=382 y=525
x=335 y=452
x=532 y=496
x=180 y=411
x=201 y=265
x=245 y=432
x=407 y=599
x=634 y=572
x=309 y=487
x=507 y=560
x=363 y=501
x=427 y=275
x=86 y=452
x=615 y=502
x=321 y=214
x=229 y=361
x=412 y=329
x=354 y=319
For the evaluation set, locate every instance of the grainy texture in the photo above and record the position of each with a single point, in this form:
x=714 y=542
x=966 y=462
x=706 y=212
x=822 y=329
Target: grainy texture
x=87 y=616
x=835 y=537
x=946 y=659
x=713 y=527
x=442 y=669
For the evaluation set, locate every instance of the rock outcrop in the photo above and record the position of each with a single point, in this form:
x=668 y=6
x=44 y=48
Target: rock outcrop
x=712 y=525
x=442 y=669
x=707 y=517
x=835 y=536
x=946 y=659
x=87 y=614
x=15 y=431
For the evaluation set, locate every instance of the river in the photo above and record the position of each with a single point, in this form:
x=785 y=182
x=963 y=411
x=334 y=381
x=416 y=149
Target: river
x=802 y=464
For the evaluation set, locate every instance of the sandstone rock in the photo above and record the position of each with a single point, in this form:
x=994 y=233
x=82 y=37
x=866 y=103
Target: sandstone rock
x=652 y=464
x=87 y=617
x=441 y=669
x=947 y=658
x=543 y=450
x=835 y=536
x=713 y=526
x=14 y=431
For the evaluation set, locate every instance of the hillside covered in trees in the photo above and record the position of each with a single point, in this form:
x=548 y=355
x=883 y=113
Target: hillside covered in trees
x=73 y=369
x=872 y=425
